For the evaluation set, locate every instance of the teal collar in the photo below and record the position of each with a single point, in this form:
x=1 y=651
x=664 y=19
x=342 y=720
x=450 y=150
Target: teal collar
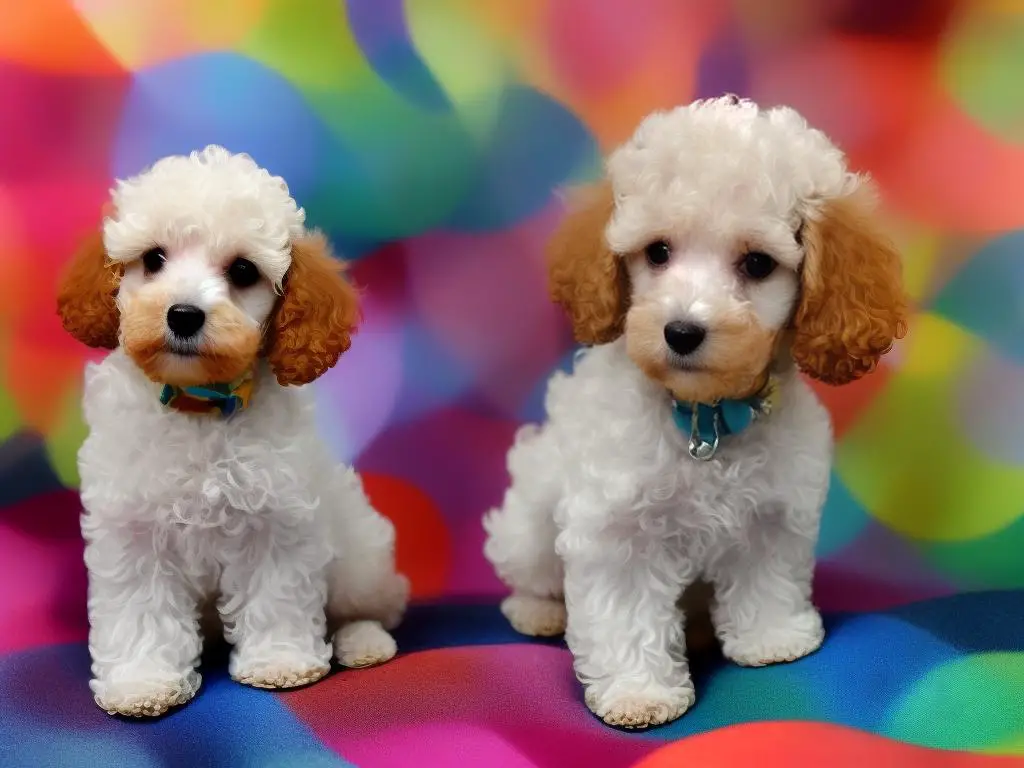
x=705 y=424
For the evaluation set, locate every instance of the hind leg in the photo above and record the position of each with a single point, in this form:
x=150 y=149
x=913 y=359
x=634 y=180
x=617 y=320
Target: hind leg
x=366 y=594
x=360 y=644
x=521 y=539
x=535 y=616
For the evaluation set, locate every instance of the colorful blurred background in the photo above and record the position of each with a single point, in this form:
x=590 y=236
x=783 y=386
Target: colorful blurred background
x=429 y=139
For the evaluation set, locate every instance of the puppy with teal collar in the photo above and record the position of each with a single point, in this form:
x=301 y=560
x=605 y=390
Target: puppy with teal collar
x=729 y=251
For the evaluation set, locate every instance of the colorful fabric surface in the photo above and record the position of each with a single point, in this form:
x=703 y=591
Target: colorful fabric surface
x=428 y=139
x=945 y=674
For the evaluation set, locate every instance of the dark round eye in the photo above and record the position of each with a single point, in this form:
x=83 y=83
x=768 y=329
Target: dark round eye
x=242 y=273
x=757 y=265
x=153 y=260
x=658 y=253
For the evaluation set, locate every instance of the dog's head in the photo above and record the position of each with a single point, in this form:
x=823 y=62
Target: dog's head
x=203 y=265
x=724 y=237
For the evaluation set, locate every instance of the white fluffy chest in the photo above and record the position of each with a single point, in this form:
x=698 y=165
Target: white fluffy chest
x=751 y=475
x=142 y=460
x=625 y=464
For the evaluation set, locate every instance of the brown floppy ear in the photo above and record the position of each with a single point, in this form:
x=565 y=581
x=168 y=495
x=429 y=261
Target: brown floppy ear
x=584 y=276
x=853 y=306
x=315 y=318
x=85 y=295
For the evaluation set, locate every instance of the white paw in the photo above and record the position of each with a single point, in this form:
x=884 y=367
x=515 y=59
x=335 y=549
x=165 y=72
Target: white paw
x=363 y=644
x=795 y=638
x=654 y=705
x=535 y=616
x=145 y=697
x=289 y=670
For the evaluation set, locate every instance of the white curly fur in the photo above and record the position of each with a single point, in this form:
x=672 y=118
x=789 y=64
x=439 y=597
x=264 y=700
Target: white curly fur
x=248 y=518
x=221 y=198
x=608 y=519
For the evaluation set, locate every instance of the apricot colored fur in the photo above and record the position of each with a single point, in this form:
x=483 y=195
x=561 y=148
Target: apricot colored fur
x=584 y=276
x=316 y=316
x=86 y=295
x=853 y=306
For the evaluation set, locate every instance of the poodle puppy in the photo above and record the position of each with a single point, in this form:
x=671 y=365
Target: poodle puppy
x=207 y=494
x=729 y=250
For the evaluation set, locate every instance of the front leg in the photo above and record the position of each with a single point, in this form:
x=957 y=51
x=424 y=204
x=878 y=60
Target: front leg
x=625 y=629
x=763 y=612
x=273 y=594
x=144 y=630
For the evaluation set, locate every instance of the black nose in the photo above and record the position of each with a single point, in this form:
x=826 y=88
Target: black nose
x=185 y=320
x=683 y=338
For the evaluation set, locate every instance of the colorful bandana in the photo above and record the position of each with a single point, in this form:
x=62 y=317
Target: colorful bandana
x=705 y=424
x=220 y=399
